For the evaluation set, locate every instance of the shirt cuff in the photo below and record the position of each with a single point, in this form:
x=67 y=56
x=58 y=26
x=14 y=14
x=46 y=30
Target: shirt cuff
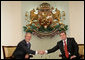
x=46 y=51
x=36 y=53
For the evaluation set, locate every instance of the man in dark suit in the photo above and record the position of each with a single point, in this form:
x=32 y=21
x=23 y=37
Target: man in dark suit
x=23 y=50
x=68 y=47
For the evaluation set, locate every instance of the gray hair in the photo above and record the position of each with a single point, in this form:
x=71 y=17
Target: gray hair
x=27 y=33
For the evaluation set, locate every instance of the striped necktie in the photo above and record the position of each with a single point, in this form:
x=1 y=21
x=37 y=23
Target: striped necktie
x=65 y=49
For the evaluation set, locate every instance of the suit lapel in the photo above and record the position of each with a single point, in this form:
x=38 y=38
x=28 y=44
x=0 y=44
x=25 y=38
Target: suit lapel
x=29 y=45
x=68 y=43
x=62 y=46
x=25 y=43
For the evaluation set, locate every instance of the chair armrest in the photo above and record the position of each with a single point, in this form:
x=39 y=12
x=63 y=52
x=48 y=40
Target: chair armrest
x=11 y=57
x=60 y=55
x=81 y=56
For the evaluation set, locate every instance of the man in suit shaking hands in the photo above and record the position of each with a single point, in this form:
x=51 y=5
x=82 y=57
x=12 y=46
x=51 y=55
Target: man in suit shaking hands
x=23 y=50
x=68 y=47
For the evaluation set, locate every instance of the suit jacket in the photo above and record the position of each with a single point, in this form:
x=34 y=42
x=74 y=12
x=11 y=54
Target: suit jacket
x=22 y=49
x=72 y=48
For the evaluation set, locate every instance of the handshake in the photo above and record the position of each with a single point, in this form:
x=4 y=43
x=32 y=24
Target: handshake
x=41 y=52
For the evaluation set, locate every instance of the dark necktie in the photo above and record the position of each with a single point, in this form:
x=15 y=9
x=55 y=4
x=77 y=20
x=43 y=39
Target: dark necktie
x=28 y=45
x=66 y=51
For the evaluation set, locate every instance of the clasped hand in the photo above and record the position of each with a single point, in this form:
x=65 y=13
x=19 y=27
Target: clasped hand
x=41 y=52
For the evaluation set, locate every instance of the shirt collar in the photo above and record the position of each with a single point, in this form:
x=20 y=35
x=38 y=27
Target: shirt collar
x=65 y=40
x=27 y=42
